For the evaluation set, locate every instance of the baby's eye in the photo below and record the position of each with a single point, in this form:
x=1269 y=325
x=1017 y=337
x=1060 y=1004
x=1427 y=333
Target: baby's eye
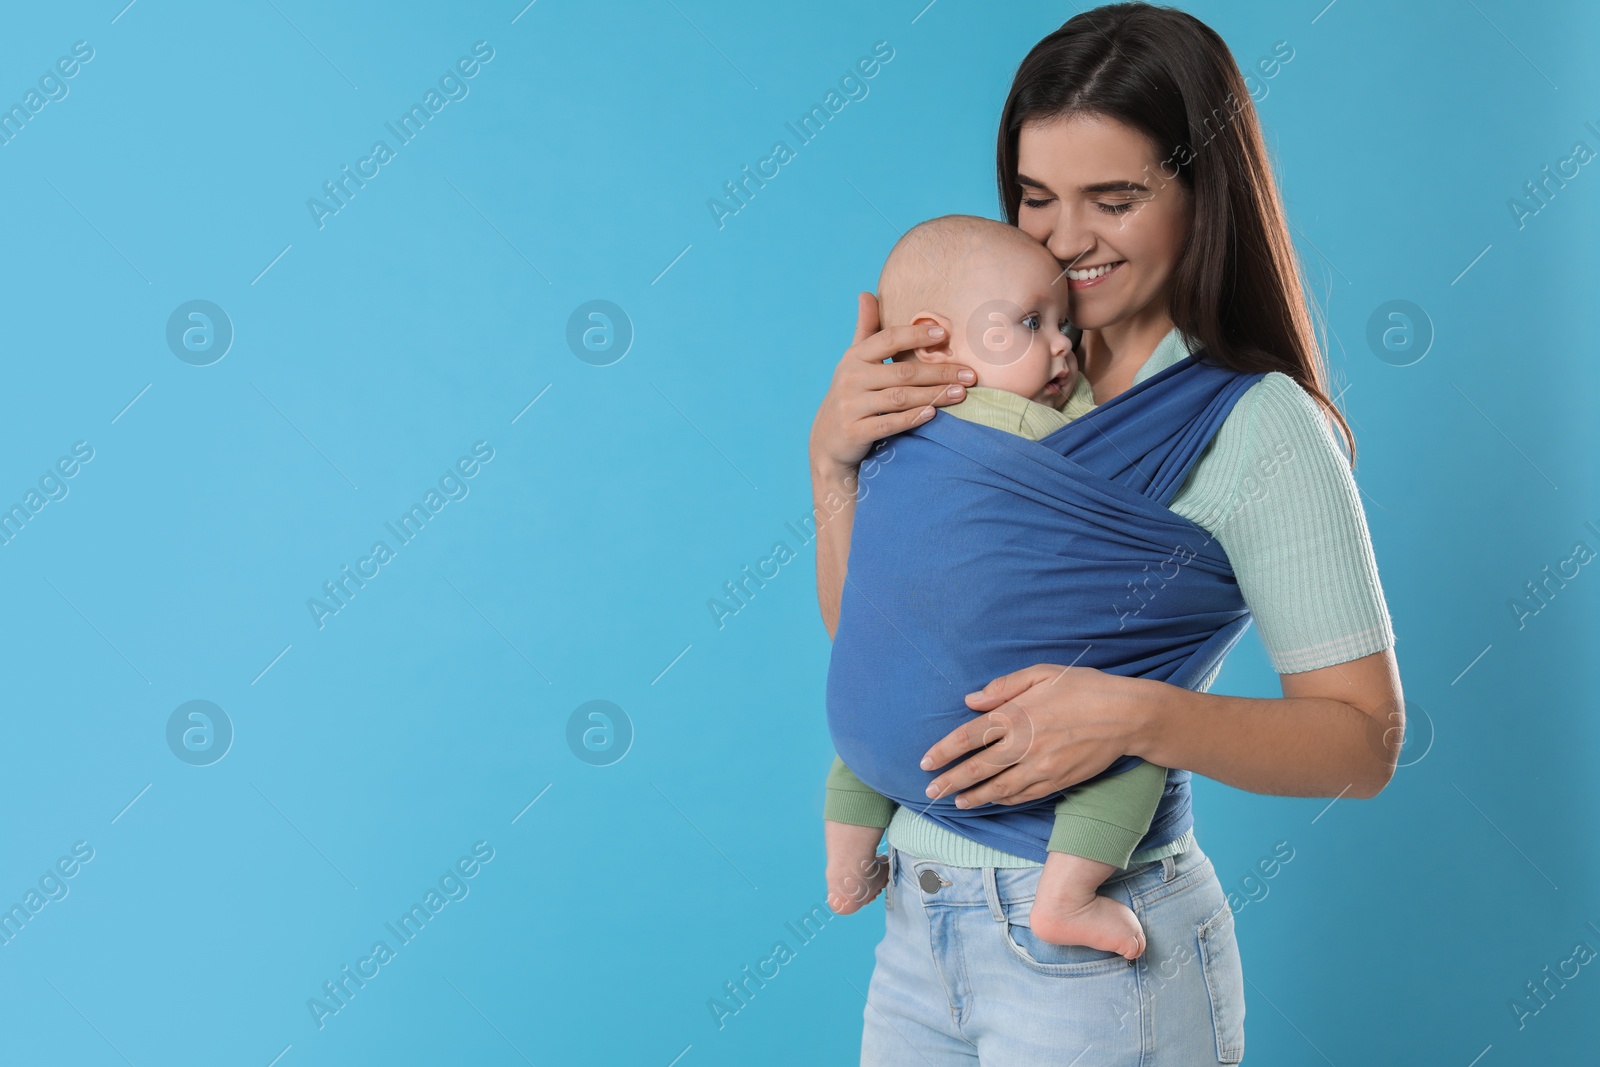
x=1031 y=320
x=1065 y=325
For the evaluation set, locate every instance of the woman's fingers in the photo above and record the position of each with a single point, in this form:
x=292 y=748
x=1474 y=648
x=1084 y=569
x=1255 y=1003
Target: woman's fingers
x=1010 y=686
x=957 y=743
x=959 y=779
x=992 y=727
x=973 y=786
x=866 y=317
x=1011 y=787
x=1001 y=739
x=896 y=339
x=869 y=399
x=1042 y=738
x=881 y=404
x=890 y=387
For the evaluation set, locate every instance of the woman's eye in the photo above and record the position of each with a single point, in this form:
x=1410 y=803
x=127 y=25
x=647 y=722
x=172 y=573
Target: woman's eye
x=1032 y=202
x=1115 y=209
x=1031 y=321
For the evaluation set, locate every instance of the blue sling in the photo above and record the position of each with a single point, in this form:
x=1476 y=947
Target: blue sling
x=976 y=552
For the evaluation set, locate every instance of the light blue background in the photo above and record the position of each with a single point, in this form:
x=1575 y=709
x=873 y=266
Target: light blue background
x=433 y=709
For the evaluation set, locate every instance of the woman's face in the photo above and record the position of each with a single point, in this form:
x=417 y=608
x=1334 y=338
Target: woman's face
x=1096 y=195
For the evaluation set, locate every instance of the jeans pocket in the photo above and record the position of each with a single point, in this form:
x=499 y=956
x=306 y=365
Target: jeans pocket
x=1224 y=974
x=1046 y=957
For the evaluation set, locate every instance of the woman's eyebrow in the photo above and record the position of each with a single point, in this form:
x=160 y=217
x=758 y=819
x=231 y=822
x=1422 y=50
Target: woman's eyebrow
x=1122 y=186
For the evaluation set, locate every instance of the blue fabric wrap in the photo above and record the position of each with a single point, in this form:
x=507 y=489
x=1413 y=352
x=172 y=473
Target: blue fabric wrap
x=976 y=552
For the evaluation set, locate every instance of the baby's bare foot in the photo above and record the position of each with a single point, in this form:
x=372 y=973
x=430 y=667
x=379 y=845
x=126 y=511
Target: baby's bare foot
x=1099 y=922
x=1068 y=911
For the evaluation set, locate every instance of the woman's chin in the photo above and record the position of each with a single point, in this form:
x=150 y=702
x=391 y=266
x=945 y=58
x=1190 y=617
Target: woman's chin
x=1095 y=319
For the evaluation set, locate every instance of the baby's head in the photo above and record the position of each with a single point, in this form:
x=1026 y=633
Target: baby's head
x=1000 y=296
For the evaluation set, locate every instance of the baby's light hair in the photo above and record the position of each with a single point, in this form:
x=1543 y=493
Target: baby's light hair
x=924 y=268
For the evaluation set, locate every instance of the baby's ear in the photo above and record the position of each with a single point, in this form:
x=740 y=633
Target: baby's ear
x=938 y=351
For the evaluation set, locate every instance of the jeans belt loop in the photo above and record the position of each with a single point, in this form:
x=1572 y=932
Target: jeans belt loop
x=991 y=894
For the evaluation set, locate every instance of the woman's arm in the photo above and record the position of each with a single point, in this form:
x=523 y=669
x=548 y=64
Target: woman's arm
x=867 y=400
x=833 y=501
x=1336 y=731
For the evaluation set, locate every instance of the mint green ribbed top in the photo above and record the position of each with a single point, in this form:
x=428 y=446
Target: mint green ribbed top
x=1275 y=491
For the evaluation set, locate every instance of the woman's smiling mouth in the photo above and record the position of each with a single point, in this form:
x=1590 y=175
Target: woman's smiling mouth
x=1090 y=276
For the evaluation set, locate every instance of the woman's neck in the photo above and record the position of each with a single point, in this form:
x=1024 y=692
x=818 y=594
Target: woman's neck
x=1110 y=357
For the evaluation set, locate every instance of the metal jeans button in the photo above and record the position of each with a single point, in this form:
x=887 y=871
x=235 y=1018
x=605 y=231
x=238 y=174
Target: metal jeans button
x=930 y=881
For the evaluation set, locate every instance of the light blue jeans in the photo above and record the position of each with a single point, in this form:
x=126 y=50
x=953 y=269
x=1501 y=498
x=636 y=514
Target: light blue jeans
x=960 y=976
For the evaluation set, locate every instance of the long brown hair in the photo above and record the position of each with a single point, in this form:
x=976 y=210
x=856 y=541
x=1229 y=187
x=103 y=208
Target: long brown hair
x=1237 y=285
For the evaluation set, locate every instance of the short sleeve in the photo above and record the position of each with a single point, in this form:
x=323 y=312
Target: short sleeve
x=1276 y=492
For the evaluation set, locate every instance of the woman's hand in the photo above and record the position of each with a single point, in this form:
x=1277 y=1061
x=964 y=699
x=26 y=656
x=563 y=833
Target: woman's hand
x=1047 y=727
x=869 y=399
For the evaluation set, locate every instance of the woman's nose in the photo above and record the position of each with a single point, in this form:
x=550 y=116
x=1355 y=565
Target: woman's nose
x=1067 y=244
x=1069 y=253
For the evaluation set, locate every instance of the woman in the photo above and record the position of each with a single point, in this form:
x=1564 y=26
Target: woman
x=1128 y=147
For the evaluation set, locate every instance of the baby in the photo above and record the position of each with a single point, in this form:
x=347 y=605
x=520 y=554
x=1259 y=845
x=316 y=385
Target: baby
x=1002 y=300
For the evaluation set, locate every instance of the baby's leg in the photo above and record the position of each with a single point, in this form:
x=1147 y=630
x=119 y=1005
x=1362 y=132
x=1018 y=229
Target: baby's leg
x=1068 y=911
x=1098 y=825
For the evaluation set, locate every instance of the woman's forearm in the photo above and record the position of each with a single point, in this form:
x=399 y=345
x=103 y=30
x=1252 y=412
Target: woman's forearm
x=833 y=501
x=1285 y=746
